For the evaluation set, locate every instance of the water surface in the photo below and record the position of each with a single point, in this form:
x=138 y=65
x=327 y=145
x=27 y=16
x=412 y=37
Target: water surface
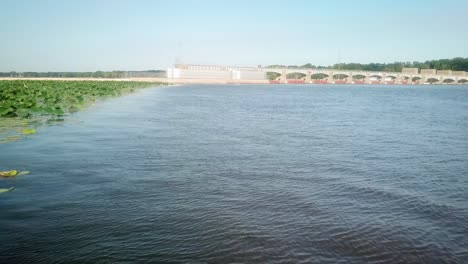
x=245 y=174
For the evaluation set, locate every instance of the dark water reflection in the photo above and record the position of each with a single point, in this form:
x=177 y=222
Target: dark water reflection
x=245 y=174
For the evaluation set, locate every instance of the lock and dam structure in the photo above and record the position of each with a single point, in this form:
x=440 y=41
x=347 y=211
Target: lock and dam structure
x=190 y=73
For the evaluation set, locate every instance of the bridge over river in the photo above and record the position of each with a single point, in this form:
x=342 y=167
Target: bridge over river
x=306 y=75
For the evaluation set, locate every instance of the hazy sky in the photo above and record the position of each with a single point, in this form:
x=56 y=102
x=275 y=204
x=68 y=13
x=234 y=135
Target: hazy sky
x=94 y=35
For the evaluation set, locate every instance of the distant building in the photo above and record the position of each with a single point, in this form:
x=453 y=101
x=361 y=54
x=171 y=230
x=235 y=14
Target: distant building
x=180 y=71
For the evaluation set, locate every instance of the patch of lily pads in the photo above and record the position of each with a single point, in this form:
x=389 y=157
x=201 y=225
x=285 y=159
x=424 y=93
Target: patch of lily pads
x=25 y=98
x=26 y=103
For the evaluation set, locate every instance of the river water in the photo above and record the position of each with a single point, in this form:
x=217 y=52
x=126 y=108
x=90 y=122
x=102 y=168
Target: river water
x=245 y=174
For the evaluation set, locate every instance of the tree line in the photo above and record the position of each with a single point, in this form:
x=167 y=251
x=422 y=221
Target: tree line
x=455 y=64
x=96 y=74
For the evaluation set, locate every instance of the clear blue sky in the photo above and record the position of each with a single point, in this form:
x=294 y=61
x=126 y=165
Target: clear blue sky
x=84 y=35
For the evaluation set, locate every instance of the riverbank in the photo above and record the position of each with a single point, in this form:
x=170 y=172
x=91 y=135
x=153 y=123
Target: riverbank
x=219 y=81
x=152 y=80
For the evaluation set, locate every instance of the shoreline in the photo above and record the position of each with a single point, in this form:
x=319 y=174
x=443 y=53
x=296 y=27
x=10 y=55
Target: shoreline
x=200 y=81
x=142 y=79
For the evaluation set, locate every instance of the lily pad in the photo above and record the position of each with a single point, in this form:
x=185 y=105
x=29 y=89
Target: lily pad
x=22 y=173
x=54 y=120
x=5 y=110
x=10 y=173
x=28 y=131
x=7 y=190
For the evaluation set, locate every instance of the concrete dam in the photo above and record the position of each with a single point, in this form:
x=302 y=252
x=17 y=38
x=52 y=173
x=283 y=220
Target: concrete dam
x=233 y=74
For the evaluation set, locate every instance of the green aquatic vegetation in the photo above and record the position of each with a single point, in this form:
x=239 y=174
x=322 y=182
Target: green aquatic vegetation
x=10 y=173
x=7 y=190
x=26 y=103
x=11 y=128
x=28 y=131
x=8 y=123
x=26 y=98
x=13 y=173
x=55 y=120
